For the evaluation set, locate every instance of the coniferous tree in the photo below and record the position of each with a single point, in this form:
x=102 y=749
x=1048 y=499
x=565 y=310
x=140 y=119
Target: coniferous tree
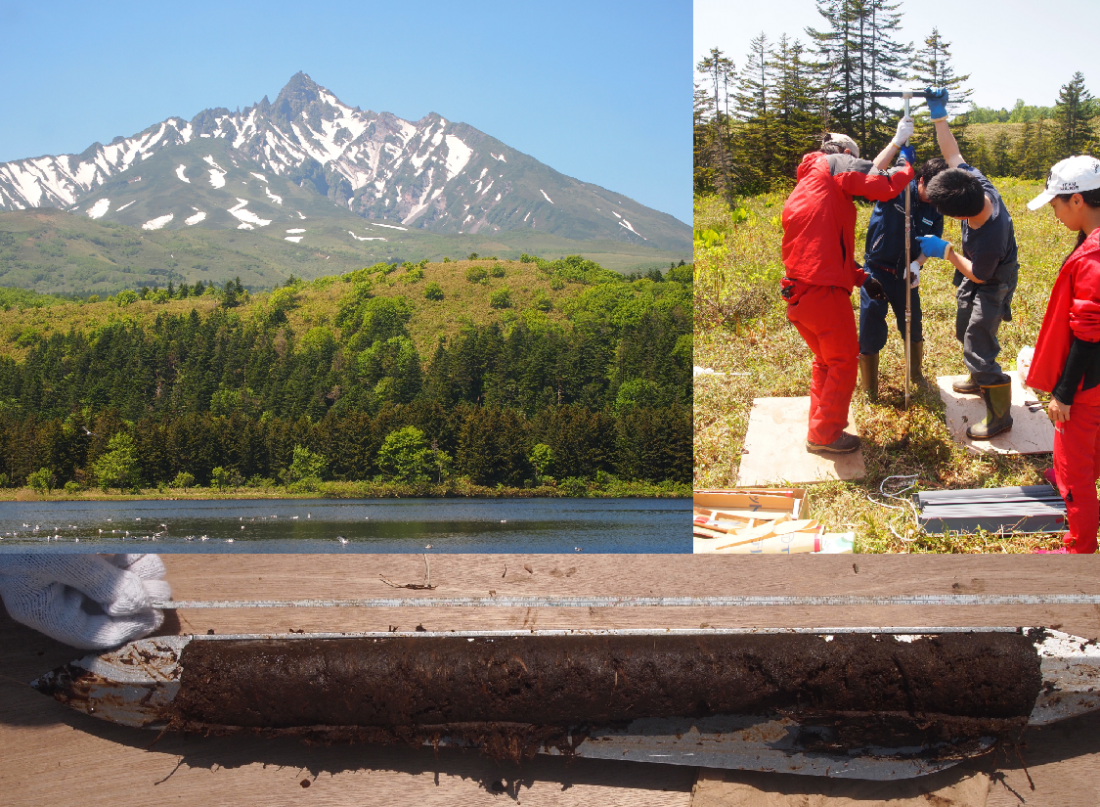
x=931 y=67
x=859 y=55
x=795 y=105
x=719 y=71
x=754 y=147
x=1073 y=131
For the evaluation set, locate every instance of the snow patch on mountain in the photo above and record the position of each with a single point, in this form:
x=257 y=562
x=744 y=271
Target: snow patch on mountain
x=100 y=208
x=276 y=199
x=179 y=173
x=296 y=230
x=125 y=206
x=240 y=212
x=358 y=238
x=551 y=201
x=625 y=223
x=195 y=219
x=498 y=157
x=390 y=226
x=294 y=238
x=260 y=177
x=458 y=155
x=157 y=223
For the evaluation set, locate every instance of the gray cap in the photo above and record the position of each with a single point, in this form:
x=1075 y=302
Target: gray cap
x=843 y=141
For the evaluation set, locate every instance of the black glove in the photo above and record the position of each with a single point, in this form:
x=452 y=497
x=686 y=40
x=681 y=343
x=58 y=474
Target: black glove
x=875 y=290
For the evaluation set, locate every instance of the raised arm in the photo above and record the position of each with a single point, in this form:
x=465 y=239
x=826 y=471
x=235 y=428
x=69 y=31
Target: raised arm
x=886 y=156
x=949 y=147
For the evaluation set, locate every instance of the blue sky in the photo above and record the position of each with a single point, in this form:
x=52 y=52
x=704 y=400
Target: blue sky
x=599 y=90
x=1011 y=48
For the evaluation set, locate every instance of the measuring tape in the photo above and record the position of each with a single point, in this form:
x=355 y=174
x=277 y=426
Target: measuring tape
x=649 y=602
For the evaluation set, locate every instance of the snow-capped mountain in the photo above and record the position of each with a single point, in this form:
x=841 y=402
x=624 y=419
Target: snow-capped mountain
x=309 y=150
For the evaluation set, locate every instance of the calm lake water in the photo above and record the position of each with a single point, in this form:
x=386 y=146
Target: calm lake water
x=365 y=525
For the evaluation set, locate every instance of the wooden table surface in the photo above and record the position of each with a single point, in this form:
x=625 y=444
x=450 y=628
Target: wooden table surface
x=51 y=755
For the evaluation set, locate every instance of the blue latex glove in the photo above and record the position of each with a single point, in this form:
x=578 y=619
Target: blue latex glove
x=908 y=153
x=932 y=246
x=937 y=103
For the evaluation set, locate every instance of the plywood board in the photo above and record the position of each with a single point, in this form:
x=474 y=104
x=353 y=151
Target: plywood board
x=1031 y=432
x=775 y=447
x=955 y=787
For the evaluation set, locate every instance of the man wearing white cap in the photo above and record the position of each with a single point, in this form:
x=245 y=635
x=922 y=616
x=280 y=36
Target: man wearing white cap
x=819 y=221
x=1067 y=351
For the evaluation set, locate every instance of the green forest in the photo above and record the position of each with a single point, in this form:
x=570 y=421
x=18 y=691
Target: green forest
x=753 y=122
x=569 y=379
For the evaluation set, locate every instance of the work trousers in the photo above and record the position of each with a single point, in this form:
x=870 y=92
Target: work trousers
x=977 y=319
x=1077 y=467
x=872 y=313
x=823 y=316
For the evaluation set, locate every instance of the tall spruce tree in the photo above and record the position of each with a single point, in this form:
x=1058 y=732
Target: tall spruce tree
x=931 y=67
x=753 y=147
x=1073 y=131
x=796 y=107
x=859 y=55
x=719 y=71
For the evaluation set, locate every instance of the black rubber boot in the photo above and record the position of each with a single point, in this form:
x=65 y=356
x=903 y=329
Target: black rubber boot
x=845 y=444
x=868 y=375
x=916 y=360
x=967 y=387
x=998 y=404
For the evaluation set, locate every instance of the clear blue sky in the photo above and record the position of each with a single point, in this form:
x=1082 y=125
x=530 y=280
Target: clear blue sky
x=599 y=89
x=1011 y=48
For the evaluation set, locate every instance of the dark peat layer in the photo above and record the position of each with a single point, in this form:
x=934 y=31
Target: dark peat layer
x=857 y=690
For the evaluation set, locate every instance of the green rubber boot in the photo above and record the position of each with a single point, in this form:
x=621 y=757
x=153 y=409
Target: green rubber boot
x=967 y=387
x=868 y=375
x=998 y=404
x=916 y=373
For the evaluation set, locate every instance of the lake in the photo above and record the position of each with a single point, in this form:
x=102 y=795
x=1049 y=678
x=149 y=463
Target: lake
x=349 y=525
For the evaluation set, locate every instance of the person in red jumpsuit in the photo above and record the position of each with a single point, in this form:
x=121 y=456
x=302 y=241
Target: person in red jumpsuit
x=819 y=221
x=1067 y=351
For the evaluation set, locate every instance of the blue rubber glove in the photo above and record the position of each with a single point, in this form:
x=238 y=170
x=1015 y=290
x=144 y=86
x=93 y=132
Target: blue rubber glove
x=908 y=153
x=937 y=103
x=932 y=246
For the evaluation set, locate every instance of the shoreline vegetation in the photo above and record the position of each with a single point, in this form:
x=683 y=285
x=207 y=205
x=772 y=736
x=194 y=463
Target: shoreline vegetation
x=567 y=489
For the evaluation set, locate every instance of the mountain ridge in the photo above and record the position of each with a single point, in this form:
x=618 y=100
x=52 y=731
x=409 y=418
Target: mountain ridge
x=435 y=175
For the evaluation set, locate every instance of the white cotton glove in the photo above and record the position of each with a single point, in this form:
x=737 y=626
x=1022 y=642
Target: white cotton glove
x=905 y=131
x=914 y=275
x=88 y=601
x=1023 y=363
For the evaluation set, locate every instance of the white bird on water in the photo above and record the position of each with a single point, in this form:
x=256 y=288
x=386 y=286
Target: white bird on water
x=342 y=539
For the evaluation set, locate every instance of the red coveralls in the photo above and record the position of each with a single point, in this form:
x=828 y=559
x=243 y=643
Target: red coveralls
x=819 y=222
x=1074 y=311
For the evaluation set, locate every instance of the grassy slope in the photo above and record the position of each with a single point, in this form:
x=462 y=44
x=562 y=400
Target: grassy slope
x=766 y=357
x=318 y=303
x=54 y=251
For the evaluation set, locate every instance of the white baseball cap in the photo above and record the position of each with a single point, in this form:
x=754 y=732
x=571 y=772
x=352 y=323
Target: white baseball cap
x=843 y=141
x=1072 y=175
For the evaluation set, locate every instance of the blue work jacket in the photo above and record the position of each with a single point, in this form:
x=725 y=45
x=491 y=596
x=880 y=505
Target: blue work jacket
x=885 y=245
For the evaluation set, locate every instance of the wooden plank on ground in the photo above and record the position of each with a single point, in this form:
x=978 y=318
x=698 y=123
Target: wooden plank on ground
x=775 y=447
x=1031 y=432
